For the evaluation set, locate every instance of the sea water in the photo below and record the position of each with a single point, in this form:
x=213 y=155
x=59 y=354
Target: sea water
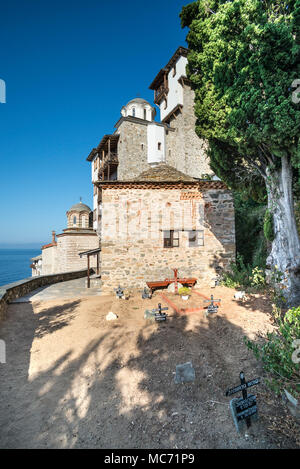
x=15 y=264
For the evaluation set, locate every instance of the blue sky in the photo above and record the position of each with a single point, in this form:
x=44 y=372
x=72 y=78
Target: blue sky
x=69 y=67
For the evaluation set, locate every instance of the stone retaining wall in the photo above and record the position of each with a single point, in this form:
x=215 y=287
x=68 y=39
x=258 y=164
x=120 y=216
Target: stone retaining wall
x=15 y=290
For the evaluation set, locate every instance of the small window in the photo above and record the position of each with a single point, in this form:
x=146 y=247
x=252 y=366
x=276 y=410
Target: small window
x=145 y=114
x=159 y=146
x=196 y=238
x=171 y=239
x=133 y=112
x=74 y=221
x=142 y=145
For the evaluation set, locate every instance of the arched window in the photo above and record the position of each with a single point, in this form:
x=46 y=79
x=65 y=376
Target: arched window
x=145 y=114
x=133 y=112
x=74 y=220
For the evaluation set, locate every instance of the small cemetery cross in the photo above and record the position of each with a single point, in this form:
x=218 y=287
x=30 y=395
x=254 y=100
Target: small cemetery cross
x=119 y=292
x=243 y=408
x=217 y=280
x=212 y=307
x=159 y=315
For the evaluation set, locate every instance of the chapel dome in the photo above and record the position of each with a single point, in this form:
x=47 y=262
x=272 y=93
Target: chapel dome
x=80 y=207
x=139 y=108
x=139 y=101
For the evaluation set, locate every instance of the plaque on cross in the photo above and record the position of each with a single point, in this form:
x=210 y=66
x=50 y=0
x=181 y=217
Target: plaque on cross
x=159 y=315
x=213 y=306
x=243 y=408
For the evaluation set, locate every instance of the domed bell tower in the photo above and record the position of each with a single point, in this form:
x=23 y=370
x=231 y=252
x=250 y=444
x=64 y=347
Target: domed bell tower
x=79 y=218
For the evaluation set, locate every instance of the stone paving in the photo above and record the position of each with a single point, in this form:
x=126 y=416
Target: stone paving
x=69 y=289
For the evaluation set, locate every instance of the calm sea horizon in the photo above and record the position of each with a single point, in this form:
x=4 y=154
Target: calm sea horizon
x=15 y=264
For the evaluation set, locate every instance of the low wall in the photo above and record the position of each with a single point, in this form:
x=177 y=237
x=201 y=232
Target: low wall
x=23 y=287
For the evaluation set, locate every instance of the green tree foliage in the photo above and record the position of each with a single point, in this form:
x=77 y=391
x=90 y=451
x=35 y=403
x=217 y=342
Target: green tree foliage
x=249 y=221
x=244 y=57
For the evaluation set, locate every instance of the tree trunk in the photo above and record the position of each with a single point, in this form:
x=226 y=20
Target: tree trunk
x=285 y=252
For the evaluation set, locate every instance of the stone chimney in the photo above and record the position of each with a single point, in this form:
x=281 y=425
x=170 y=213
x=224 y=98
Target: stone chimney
x=53 y=237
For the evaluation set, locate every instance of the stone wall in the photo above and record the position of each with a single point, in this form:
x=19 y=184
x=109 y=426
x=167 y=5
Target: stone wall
x=132 y=157
x=23 y=287
x=184 y=149
x=69 y=245
x=133 y=224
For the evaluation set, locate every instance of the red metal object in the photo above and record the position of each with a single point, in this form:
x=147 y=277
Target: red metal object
x=165 y=283
x=206 y=298
x=179 y=310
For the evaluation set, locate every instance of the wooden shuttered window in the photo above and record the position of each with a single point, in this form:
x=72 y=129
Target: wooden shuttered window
x=171 y=239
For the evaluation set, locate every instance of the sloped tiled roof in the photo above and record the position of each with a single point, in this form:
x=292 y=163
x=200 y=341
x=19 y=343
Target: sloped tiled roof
x=163 y=173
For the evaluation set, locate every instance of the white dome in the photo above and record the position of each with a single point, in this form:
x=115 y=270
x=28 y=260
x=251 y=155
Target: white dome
x=140 y=109
x=138 y=101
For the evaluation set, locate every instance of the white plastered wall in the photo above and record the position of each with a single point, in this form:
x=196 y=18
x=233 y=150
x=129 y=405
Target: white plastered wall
x=175 y=94
x=156 y=136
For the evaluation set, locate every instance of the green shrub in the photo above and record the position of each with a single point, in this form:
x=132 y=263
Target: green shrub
x=279 y=354
x=243 y=276
x=238 y=275
x=258 y=277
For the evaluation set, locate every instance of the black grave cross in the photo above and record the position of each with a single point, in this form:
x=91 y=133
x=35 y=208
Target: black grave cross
x=159 y=315
x=119 y=292
x=212 y=307
x=243 y=408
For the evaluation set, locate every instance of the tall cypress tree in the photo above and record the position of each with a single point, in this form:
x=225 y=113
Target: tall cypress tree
x=243 y=62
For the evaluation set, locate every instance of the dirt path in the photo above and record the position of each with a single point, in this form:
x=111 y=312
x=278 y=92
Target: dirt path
x=74 y=380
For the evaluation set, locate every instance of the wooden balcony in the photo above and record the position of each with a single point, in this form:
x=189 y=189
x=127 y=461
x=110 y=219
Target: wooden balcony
x=160 y=92
x=108 y=166
x=110 y=158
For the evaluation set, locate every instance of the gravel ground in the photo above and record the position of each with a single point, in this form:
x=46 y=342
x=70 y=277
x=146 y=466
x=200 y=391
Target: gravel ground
x=74 y=380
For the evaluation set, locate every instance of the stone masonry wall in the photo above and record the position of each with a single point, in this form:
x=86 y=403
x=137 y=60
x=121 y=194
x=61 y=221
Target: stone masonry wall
x=132 y=158
x=184 y=149
x=68 y=248
x=133 y=222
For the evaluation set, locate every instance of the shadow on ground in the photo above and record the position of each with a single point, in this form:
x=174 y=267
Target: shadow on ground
x=118 y=391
